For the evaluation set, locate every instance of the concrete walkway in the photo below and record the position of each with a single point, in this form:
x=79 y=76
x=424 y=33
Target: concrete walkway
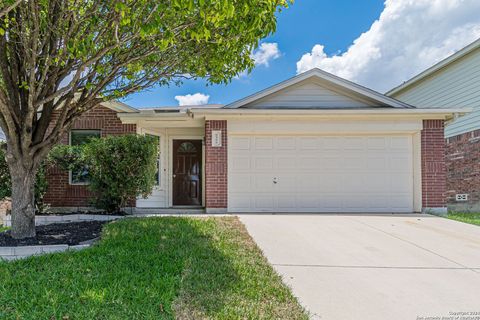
x=374 y=266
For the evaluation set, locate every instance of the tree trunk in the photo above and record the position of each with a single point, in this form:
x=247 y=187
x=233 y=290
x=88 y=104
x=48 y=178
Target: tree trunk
x=23 y=202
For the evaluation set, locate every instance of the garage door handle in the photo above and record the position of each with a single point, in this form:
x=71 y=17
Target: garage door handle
x=275 y=180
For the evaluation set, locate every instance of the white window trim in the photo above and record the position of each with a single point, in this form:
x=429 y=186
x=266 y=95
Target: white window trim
x=159 y=159
x=70 y=182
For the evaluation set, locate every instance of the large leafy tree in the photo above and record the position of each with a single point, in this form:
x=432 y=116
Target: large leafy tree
x=60 y=58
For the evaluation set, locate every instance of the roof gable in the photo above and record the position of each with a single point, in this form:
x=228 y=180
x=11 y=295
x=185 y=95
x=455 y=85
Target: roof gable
x=310 y=94
x=316 y=89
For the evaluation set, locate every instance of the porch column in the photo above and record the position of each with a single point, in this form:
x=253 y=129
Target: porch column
x=216 y=166
x=434 y=177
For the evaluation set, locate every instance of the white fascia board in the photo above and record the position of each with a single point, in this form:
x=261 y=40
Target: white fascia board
x=425 y=113
x=150 y=115
x=119 y=106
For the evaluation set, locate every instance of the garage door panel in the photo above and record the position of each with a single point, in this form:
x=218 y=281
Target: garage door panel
x=308 y=143
x=308 y=202
x=285 y=143
x=242 y=202
x=354 y=182
x=331 y=143
x=377 y=163
x=381 y=203
x=243 y=182
x=355 y=202
x=320 y=174
x=286 y=163
x=262 y=163
x=376 y=143
x=378 y=183
x=264 y=202
x=400 y=183
x=400 y=164
x=285 y=202
x=400 y=143
x=263 y=143
x=241 y=164
x=239 y=143
x=332 y=162
x=354 y=163
x=284 y=182
x=261 y=183
x=305 y=182
x=308 y=163
x=331 y=203
x=401 y=201
x=329 y=182
x=354 y=143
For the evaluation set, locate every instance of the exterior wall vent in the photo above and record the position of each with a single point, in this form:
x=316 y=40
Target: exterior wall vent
x=461 y=197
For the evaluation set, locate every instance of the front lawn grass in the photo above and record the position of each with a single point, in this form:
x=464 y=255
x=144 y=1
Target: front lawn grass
x=472 y=218
x=151 y=268
x=2 y=228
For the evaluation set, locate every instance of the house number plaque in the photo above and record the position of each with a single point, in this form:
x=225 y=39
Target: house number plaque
x=216 y=138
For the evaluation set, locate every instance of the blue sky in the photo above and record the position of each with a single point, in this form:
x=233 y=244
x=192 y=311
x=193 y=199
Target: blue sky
x=374 y=43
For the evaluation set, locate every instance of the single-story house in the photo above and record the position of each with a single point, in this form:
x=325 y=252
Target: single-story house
x=454 y=83
x=312 y=143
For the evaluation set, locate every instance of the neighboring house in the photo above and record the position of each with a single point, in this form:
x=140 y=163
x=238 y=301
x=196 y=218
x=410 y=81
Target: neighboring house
x=313 y=143
x=454 y=83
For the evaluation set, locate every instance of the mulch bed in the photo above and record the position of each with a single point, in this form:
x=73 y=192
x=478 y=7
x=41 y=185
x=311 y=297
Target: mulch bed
x=59 y=233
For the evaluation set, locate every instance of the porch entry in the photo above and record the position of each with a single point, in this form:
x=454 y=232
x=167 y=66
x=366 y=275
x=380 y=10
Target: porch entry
x=187 y=172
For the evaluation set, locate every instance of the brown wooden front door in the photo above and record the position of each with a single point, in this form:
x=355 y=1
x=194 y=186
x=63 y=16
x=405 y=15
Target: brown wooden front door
x=187 y=172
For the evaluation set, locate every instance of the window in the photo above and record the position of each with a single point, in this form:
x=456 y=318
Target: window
x=158 y=175
x=79 y=137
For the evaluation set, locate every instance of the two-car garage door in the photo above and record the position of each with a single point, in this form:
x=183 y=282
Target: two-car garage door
x=320 y=173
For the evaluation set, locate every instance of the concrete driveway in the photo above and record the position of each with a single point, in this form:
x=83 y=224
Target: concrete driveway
x=374 y=266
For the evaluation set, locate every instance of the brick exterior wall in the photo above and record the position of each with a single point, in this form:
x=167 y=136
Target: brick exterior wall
x=433 y=164
x=215 y=166
x=463 y=168
x=60 y=193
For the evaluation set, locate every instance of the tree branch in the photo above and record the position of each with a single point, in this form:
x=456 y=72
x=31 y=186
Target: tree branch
x=6 y=10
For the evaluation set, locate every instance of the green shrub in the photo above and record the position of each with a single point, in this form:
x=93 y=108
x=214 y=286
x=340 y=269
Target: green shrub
x=67 y=157
x=41 y=183
x=121 y=168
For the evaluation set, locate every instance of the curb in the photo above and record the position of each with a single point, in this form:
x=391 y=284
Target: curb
x=15 y=253
x=44 y=220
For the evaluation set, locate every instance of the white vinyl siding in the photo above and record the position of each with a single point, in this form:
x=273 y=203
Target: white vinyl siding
x=455 y=86
x=320 y=173
x=310 y=94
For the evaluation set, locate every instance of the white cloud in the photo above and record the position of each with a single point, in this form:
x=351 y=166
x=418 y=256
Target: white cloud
x=192 y=99
x=409 y=36
x=266 y=53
